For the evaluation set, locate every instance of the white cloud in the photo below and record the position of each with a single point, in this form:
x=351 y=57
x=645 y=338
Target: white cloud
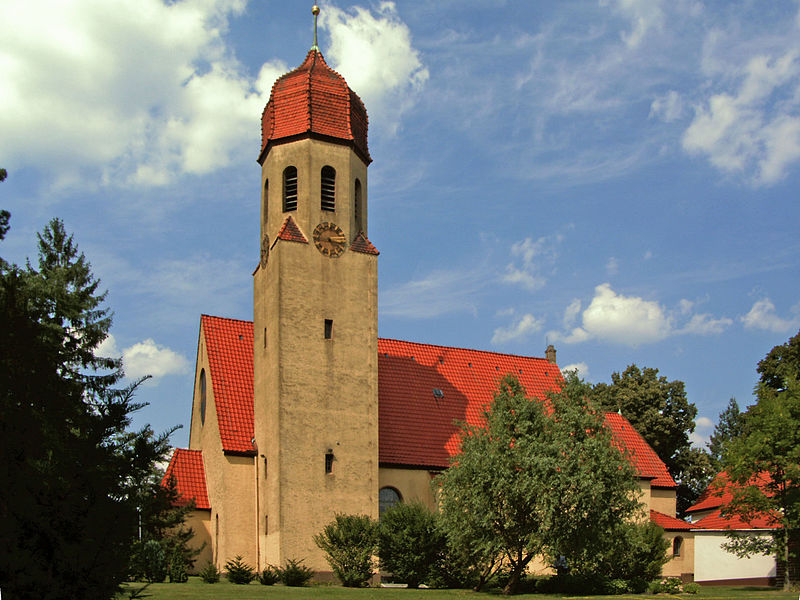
x=533 y=254
x=581 y=367
x=700 y=436
x=643 y=15
x=108 y=348
x=612 y=266
x=668 y=107
x=129 y=92
x=762 y=316
x=436 y=294
x=632 y=320
x=374 y=53
x=756 y=129
x=522 y=328
x=149 y=358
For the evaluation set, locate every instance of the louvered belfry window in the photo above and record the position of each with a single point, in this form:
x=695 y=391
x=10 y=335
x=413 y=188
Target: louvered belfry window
x=328 y=188
x=290 y=188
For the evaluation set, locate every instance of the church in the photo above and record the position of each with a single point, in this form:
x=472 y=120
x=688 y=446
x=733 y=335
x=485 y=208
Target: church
x=304 y=412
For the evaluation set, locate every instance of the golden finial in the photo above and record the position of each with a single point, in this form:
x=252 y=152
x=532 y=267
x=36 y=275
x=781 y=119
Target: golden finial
x=315 y=12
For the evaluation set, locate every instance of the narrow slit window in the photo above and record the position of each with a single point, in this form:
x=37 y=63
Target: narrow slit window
x=357 y=208
x=289 y=189
x=266 y=201
x=328 y=188
x=328 y=329
x=677 y=544
x=329 y=462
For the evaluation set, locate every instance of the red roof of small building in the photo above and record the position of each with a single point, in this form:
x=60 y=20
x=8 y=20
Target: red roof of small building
x=186 y=466
x=314 y=99
x=719 y=520
x=718 y=494
x=229 y=343
x=291 y=232
x=669 y=523
x=642 y=456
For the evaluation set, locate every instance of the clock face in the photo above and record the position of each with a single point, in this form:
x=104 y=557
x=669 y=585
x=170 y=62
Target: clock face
x=329 y=239
x=264 y=250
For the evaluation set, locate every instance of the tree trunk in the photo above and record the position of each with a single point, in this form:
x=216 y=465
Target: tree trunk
x=787 y=580
x=513 y=582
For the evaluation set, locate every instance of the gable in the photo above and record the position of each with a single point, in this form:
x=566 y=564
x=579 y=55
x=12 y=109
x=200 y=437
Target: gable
x=186 y=466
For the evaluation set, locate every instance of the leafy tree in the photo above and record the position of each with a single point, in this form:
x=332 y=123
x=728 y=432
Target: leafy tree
x=728 y=427
x=660 y=411
x=67 y=502
x=349 y=542
x=764 y=461
x=408 y=542
x=537 y=479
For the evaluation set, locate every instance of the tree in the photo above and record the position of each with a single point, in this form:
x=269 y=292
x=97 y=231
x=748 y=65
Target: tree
x=659 y=410
x=67 y=502
x=349 y=543
x=537 y=479
x=728 y=427
x=408 y=542
x=763 y=462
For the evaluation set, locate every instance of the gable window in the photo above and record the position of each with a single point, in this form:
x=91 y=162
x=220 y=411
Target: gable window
x=289 y=189
x=387 y=498
x=357 y=209
x=328 y=188
x=202 y=396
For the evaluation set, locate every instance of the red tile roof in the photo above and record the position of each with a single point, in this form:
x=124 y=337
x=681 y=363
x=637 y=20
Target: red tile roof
x=719 y=520
x=716 y=496
x=190 y=477
x=363 y=245
x=229 y=343
x=669 y=523
x=291 y=232
x=642 y=456
x=416 y=427
x=315 y=99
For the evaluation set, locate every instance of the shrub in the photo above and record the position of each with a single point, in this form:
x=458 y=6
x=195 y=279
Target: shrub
x=270 y=576
x=295 y=573
x=409 y=542
x=178 y=567
x=210 y=573
x=691 y=588
x=239 y=572
x=349 y=542
x=150 y=561
x=667 y=585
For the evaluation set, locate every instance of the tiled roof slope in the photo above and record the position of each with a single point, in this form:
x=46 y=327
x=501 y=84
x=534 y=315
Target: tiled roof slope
x=669 y=523
x=363 y=245
x=418 y=429
x=186 y=466
x=643 y=457
x=715 y=497
x=229 y=343
x=291 y=232
x=315 y=99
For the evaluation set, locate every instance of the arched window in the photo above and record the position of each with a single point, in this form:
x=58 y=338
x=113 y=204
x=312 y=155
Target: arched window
x=677 y=543
x=289 y=189
x=266 y=201
x=328 y=188
x=387 y=498
x=357 y=208
x=202 y=396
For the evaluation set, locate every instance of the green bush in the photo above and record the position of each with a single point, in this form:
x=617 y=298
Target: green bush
x=149 y=561
x=349 y=542
x=239 y=572
x=270 y=576
x=295 y=573
x=210 y=573
x=667 y=585
x=691 y=588
x=178 y=566
x=409 y=543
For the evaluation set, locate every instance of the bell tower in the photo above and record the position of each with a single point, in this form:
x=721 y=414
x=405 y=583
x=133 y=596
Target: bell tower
x=315 y=316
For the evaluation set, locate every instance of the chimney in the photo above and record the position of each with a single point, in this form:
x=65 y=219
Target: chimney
x=550 y=354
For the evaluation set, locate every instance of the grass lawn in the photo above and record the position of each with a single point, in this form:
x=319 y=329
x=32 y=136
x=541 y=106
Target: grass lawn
x=223 y=590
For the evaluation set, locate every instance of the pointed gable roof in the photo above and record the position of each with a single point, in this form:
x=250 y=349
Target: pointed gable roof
x=314 y=100
x=642 y=456
x=229 y=343
x=424 y=390
x=363 y=245
x=186 y=466
x=290 y=232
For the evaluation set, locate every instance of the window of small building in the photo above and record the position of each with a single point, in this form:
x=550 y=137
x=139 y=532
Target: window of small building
x=357 y=208
x=329 y=462
x=202 y=396
x=328 y=188
x=387 y=498
x=677 y=544
x=289 y=189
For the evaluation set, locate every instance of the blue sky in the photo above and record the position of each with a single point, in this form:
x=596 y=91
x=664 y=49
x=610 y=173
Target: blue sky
x=618 y=177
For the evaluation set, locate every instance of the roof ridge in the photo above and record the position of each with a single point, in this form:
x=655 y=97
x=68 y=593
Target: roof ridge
x=225 y=318
x=526 y=357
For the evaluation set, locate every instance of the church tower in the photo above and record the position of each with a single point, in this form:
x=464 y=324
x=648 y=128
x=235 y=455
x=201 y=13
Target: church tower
x=315 y=316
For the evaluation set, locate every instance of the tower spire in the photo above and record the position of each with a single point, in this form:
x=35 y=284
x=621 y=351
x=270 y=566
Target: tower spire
x=315 y=12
